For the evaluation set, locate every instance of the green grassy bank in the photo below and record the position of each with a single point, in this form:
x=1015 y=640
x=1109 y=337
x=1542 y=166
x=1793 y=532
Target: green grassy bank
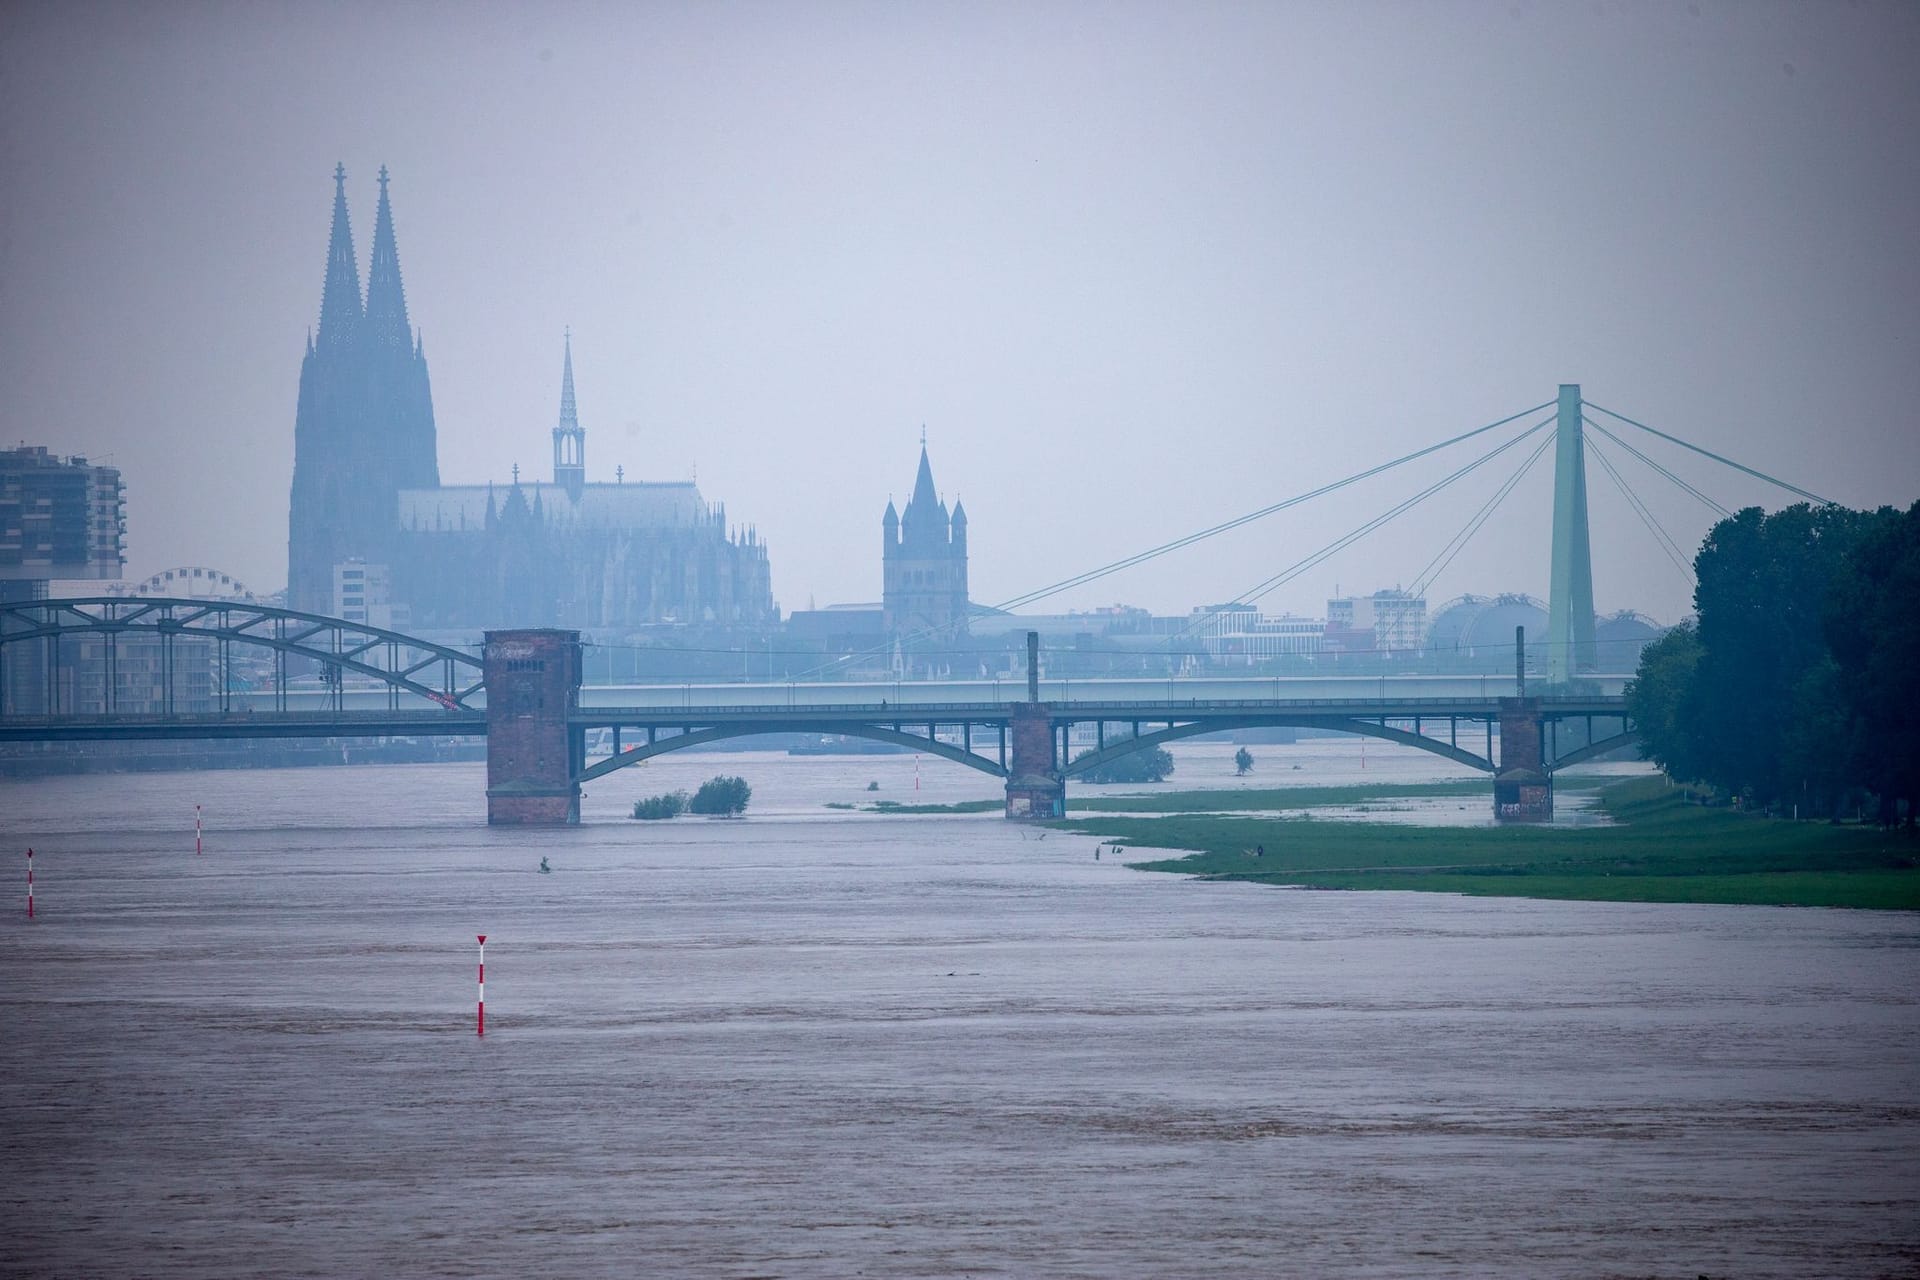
x=1216 y=801
x=1664 y=850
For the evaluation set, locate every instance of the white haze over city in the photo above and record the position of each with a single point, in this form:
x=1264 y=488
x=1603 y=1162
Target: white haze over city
x=1135 y=268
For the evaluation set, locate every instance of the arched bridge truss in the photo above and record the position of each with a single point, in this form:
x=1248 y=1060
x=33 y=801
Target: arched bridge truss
x=44 y=643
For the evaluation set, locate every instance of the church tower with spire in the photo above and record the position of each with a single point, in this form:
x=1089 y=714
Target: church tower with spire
x=569 y=441
x=363 y=428
x=924 y=566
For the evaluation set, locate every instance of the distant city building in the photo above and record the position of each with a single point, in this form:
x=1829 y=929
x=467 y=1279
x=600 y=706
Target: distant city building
x=1208 y=621
x=571 y=553
x=1475 y=633
x=60 y=518
x=1390 y=623
x=1263 y=637
x=1619 y=638
x=363 y=593
x=924 y=567
x=137 y=671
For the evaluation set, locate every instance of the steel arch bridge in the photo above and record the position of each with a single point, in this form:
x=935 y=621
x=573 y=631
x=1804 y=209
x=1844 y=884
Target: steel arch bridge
x=1408 y=722
x=37 y=635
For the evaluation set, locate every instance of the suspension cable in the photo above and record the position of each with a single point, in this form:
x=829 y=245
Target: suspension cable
x=1091 y=575
x=1262 y=589
x=1656 y=466
x=1708 y=453
x=1661 y=537
x=1445 y=556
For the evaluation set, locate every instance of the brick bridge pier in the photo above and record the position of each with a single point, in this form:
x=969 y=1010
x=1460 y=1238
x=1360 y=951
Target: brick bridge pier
x=534 y=756
x=1036 y=778
x=1522 y=787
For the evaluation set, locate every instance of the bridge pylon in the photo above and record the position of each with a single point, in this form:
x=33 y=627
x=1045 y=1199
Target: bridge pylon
x=1570 y=638
x=534 y=755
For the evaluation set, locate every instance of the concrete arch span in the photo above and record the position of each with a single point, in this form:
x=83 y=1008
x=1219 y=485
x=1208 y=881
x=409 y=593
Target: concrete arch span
x=720 y=733
x=1365 y=728
x=1599 y=748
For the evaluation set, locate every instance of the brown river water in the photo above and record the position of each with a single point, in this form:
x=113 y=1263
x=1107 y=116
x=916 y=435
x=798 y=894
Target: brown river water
x=820 y=1043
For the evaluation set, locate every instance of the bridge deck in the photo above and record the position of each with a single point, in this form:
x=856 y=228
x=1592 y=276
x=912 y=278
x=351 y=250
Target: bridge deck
x=778 y=717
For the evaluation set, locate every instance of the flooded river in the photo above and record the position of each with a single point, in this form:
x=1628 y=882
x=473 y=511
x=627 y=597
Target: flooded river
x=821 y=1043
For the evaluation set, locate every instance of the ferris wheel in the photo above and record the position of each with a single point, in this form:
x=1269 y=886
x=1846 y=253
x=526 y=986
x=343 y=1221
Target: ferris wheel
x=193 y=582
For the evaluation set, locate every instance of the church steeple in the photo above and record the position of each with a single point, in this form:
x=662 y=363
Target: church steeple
x=923 y=568
x=340 y=313
x=569 y=416
x=569 y=441
x=386 y=298
x=925 y=518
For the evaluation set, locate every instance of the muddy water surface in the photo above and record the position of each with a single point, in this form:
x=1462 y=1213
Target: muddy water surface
x=817 y=1043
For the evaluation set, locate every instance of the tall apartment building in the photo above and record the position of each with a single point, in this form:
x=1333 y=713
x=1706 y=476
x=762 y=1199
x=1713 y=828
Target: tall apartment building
x=60 y=518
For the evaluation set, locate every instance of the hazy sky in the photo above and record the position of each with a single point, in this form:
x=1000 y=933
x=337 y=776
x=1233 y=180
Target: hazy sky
x=1137 y=268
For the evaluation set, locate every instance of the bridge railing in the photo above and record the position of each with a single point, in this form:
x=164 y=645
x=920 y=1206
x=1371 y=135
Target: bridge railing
x=920 y=712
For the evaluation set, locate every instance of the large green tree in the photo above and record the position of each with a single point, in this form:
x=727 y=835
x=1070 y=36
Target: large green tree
x=1873 y=628
x=1763 y=582
x=1660 y=698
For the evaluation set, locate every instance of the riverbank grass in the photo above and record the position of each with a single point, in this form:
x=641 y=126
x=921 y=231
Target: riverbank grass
x=1216 y=801
x=1664 y=849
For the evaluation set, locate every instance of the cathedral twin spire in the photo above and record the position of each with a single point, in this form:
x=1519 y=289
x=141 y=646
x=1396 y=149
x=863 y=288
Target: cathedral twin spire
x=386 y=299
x=340 y=297
x=343 y=317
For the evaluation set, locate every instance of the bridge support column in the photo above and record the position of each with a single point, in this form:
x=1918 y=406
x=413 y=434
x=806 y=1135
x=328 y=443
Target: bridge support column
x=1036 y=789
x=1522 y=789
x=533 y=755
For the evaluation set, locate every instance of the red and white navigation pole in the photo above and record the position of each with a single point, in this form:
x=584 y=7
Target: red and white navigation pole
x=480 y=1022
x=29 y=884
x=196 y=830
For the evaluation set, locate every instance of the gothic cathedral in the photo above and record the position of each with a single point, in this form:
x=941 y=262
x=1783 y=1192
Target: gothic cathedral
x=568 y=553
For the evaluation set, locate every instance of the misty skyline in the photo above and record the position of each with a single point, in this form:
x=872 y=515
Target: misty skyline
x=1135 y=269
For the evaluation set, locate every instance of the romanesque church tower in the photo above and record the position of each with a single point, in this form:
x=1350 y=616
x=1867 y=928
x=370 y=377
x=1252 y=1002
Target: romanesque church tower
x=363 y=430
x=924 y=558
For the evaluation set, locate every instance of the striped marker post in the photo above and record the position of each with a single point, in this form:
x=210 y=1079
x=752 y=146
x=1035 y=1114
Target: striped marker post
x=196 y=831
x=480 y=1021
x=29 y=884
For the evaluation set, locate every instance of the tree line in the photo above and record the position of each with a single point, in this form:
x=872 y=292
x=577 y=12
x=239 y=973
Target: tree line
x=1797 y=685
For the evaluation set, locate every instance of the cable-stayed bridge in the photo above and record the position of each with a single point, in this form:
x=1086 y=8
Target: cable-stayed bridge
x=61 y=677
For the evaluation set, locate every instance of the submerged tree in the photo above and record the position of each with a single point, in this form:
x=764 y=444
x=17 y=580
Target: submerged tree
x=1148 y=764
x=653 y=808
x=721 y=797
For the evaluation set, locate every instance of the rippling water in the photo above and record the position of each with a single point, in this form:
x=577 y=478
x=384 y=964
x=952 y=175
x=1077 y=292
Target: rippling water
x=814 y=1043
